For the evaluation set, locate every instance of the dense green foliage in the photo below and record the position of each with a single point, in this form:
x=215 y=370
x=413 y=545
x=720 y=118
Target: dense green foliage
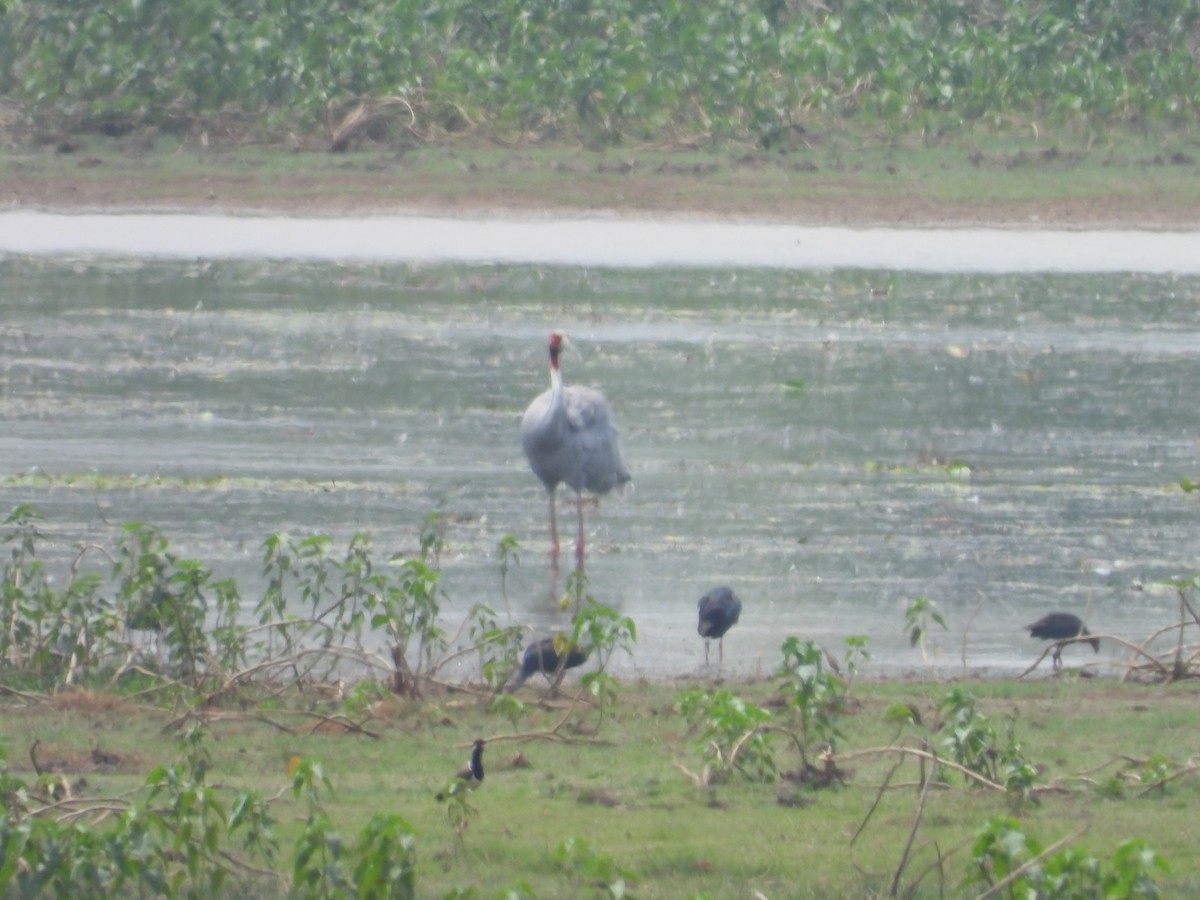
x=601 y=70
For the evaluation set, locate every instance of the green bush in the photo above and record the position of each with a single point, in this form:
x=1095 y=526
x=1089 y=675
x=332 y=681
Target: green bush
x=602 y=71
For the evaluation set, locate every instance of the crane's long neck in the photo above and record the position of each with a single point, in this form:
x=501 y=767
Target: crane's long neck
x=556 y=382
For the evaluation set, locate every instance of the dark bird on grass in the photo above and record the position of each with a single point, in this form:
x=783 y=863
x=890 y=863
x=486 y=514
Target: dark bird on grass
x=470 y=776
x=545 y=656
x=1061 y=626
x=569 y=437
x=719 y=611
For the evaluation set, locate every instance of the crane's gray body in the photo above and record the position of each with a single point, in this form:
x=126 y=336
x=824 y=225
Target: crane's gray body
x=569 y=438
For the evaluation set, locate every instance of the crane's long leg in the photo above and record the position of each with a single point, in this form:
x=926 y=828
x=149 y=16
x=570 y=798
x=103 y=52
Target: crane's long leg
x=579 y=539
x=553 y=529
x=553 y=548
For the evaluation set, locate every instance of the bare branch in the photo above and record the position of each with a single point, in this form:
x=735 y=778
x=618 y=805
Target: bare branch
x=911 y=835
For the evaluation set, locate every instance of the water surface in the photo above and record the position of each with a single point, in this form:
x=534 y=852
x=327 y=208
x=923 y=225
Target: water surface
x=599 y=241
x=831 y=443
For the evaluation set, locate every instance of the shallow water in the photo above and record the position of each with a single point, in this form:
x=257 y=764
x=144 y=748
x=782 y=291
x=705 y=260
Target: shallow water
x=599 y=241
x=832 y=444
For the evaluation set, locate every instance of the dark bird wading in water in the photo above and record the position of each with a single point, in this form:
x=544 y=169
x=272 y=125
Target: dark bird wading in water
x=1061 y=626
x=545 y=656
x=719 y=611
x=469 y=776
x=569 y=437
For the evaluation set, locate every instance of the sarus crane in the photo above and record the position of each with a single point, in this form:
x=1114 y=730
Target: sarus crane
x=569 y=437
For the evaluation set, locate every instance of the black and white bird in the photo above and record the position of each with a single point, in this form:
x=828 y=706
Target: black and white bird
x=470 y=776
x=1061 y=626
x=719 y=611
x=569 y=437
x=544 y=656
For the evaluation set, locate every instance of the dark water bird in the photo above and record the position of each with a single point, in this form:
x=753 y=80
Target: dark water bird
x=470 y=776
x=1061 y=626
x=569 y=437
x=719 y=611
x=544 y=656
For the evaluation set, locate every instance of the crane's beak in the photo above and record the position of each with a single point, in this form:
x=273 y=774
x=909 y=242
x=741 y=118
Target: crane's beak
x=568 y=346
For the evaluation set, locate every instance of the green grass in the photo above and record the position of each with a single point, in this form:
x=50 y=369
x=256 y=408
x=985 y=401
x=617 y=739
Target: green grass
x=1020 y=175
x=620 y=789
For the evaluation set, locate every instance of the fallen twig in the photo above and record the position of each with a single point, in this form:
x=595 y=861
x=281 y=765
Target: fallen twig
x=27 y=696
x=878 y=796
x=339 y=720
x=912 y=834
x=209 y=717
x=929 y=757
x=1162 y=782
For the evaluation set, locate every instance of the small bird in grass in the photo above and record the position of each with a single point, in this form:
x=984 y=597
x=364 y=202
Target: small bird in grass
x=719 y=611
x=470 y=776
x=545 y=656
x=1061 y=626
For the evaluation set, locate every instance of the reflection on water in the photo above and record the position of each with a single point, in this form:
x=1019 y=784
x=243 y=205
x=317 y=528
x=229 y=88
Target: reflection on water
x=832 y=445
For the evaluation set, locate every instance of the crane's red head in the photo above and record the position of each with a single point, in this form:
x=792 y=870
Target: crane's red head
x=557 y=341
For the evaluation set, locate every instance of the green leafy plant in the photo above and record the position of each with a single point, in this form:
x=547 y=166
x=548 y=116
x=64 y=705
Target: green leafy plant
x=734 y=736
x=191 y=822
x=320 y=612
x=1010 y=863
x=177 y=842
x=969 y=733
x=1157 y=770
x=406 y=612
x=381 y=863
x=921 y=613
x=363 y=695
x=578 y=857
x=856 y=654
x=812 y=691
x=509 y=707
x=433 y=539
x=384 y=861
x=975 y=745
x=508 y=553
x=498 y=646
x=601 y=631
x=53 y=635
